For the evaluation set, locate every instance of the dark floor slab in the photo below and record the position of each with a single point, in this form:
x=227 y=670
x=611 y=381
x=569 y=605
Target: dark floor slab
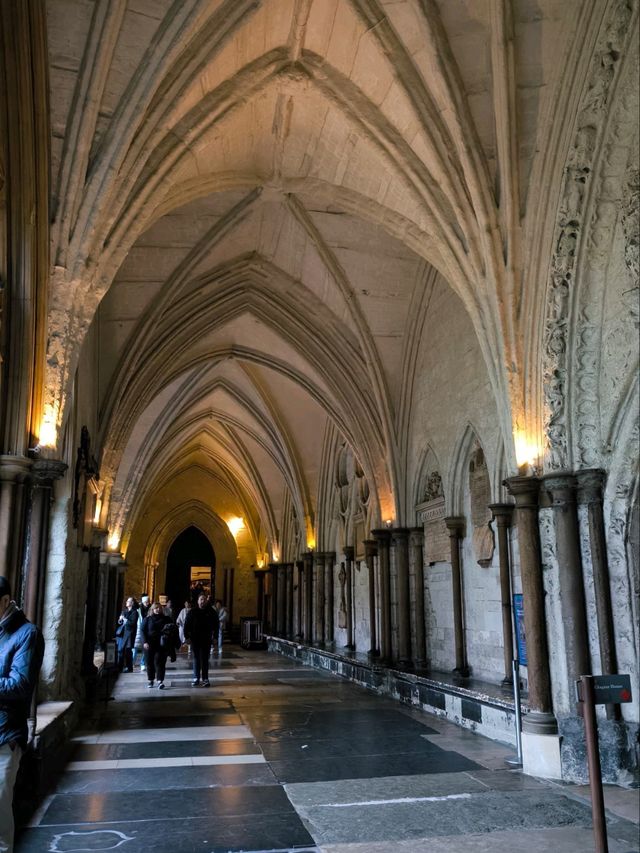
x=331 y=723
x=181 y=719
x=163 y=779
x=163 y=749
x=194 y=802
x=284 y=750
x=363 y=767
x=176 y=835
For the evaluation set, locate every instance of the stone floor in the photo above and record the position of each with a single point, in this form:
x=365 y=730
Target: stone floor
x=275 y=756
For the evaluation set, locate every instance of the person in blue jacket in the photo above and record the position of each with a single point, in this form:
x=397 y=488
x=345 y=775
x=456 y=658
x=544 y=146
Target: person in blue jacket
x=21 y=652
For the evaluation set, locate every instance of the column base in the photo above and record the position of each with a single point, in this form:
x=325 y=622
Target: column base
x=349 y=647
x=507 y=681
x=462 y=671
x=541 y=755
x=540 y=723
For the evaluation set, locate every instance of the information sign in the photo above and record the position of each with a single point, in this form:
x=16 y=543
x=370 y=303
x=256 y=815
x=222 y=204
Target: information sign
x=609 y=689
x=521 y=640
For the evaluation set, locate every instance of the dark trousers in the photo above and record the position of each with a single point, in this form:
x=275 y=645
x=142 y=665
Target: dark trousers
x=126 y=659
x=156 y=661
x=200 y=661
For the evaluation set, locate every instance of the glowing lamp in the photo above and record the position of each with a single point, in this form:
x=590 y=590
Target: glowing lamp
x=235 y=525
x=527 y=451
x=113 y=541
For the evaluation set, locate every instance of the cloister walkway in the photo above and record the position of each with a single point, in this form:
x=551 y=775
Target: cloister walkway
x=275 y=756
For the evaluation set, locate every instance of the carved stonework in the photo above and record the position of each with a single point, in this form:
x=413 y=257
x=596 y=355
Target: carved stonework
x=480 y=493
x=436 y=536
x=433 y=488
x=570 y=226
x=631 y=224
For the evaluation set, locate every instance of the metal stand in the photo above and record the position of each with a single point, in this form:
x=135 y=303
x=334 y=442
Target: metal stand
x=515 y=672
x=593 y=759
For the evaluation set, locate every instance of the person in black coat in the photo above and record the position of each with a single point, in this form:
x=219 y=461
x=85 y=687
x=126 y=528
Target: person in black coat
x=126 y=635
x=154 y=650
x=200 y=627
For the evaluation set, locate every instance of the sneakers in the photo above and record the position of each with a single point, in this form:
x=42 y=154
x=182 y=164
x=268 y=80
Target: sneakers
x=195 y=682
x=150 y=684
x=161 y=685
x=205 y=683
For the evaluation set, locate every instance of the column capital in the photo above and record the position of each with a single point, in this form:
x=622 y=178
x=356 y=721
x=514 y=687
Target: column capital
x=382 y=535
x=416 y=532
x=14 y=469
x=525 y=490
x=502 y=513
x=307 y=558
x=45 y=471
x=330 y=556
x=591 y=482
x=455 y=525
x=370 y=548
x=399 y=533
x=349 y=553
x=562 y=486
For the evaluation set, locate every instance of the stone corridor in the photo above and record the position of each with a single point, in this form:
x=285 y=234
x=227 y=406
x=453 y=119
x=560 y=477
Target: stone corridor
x=276 y=756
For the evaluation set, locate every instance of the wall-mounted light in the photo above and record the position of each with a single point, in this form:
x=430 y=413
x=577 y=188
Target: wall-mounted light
x=388 y=523
x=98 y=509
x=48 y=434
x=113 y=541
x=528 y=452
x=235 y=525
x=260 y=564
x=311 y=543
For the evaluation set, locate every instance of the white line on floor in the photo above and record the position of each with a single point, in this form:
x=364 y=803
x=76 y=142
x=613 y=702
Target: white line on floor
x=156 y=735
x=393 y=802
x=178 y=761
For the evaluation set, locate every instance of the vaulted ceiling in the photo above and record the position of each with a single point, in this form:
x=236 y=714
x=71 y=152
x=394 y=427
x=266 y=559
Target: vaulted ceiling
x=250 y=203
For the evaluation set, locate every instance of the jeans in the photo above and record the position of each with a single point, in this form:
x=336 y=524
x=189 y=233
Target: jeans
x=9 y=763
x=200 y=662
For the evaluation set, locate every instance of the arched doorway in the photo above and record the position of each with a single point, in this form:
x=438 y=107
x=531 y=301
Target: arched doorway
x=190 y=549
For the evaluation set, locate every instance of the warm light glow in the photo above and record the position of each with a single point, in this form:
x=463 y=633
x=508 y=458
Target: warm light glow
x=48 y=428
x=261 y=564
x=96 y=514
x=276 y=555
x=527 y=449
x=235 y=525
x=311 y=543
x=113 y=541
x=388 y=523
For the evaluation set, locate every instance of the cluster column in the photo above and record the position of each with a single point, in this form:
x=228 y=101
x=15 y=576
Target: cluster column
x=307 y=560
x=540 y=719
x=288 y=573
x=383 y=539
x=590 y=484
x=14 y=472
x=259 y=576
x=329 y=563
x=502 y=514
x=318 y=586
x=370 y=553
x=416 y=543
x=401 y=541
x=455 y=526
x=563 y=490
x=273 y=593
x=281 y=606
x=299 y=601
x=348 y=556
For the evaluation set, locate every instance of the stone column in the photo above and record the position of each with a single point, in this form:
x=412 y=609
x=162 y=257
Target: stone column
x=318 y=586
x=91 y=613
x=455 y=525
x=590 y=485
x=299 y=624
x=329 y=565
x=288 y=573
x=383 y=539
x=307 y=559
x=370 y=553
x=400 y=538
x=281 y=607
x=348 y=556
x=273 y=603
x=502 y=514
x=540 y=719
x=416 y=545
x=562 y=487
x=14 y=471
x=43 y=474
x=259 y=576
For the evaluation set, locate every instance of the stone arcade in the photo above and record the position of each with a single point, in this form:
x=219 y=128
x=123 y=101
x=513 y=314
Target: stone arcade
x=351 y=288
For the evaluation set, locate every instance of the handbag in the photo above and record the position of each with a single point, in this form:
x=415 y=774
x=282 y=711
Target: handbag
x=120 y=630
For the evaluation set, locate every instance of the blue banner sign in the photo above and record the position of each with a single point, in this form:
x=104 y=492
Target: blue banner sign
x=521 y=640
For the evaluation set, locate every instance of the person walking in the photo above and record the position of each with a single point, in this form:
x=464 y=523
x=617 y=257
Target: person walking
x=223 y=619
x=155 y=653
x=126 y=635
x=200 y=627
x=21 y=653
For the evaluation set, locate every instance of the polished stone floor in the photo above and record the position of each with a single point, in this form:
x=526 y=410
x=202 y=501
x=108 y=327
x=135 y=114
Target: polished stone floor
x=275 y=756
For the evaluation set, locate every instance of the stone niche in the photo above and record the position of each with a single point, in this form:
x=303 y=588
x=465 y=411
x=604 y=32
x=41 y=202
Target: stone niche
x=431 y=512
x=480 y=496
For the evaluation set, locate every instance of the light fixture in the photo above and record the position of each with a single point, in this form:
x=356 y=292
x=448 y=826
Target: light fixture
x=235 y=525
x=388 y=523
x=113 y=541
x=528 y=452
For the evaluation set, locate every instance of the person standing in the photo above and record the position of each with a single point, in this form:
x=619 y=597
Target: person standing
x=126 y=634
x=223 y=619
x=21 y=653
x=200 y=627
x=155 y=652
x=144 y=605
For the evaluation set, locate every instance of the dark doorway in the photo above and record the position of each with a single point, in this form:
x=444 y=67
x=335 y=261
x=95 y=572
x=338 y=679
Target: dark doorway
x=190 y=548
